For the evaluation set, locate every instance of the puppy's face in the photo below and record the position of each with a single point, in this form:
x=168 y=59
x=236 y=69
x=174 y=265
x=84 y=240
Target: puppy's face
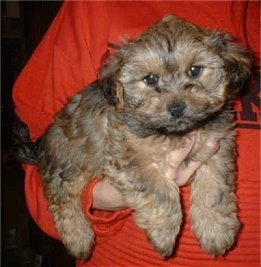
x=175 y=76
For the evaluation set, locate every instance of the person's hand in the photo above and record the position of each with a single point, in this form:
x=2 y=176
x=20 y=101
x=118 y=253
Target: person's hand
x=106 y=197
x=180 y=171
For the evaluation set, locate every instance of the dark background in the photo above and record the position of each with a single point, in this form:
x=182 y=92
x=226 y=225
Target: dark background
x=23 y=24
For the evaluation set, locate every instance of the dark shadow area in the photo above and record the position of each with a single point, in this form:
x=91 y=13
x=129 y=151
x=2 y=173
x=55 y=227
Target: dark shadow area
x=23 y=24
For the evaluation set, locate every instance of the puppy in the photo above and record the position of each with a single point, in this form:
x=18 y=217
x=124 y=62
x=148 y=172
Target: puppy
x=173 y=79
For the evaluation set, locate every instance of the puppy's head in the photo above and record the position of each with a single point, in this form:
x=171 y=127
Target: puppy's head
x=175 y=76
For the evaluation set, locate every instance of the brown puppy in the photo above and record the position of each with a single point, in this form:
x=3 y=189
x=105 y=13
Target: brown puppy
x=173 y=79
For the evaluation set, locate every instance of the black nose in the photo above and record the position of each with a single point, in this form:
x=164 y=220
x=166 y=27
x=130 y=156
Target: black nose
x=176 y=109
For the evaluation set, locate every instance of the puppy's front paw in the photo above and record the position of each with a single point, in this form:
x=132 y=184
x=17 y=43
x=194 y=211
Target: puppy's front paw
x=163 y=240
x=162 y=228
x=217 y=234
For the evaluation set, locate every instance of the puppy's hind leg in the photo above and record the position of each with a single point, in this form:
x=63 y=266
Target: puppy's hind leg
x=213 y=209
x=157 y=209
x=160 y=216
x=70 y=221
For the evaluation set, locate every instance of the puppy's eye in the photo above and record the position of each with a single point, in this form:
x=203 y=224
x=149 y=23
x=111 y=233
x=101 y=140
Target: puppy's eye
x=151 y=80
x=195 y=71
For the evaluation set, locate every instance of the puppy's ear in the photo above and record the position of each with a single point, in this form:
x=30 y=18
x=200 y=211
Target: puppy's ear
x=110 y=86
x=237 y=60
x=113 y=92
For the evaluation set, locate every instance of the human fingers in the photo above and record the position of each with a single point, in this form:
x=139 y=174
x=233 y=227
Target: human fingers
x=177 y=156
x=186 y=171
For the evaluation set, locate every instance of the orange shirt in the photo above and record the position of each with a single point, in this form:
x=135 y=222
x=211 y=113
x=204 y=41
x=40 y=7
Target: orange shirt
x=69 y=57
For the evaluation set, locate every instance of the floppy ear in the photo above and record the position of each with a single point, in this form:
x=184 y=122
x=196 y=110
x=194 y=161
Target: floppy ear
x=237 y=60
x=113 y=92
x=112 y=89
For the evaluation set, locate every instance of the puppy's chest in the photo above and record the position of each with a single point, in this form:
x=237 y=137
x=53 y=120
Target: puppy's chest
x=156 y=151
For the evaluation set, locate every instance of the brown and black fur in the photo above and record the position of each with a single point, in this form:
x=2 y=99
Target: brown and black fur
x=123 y=129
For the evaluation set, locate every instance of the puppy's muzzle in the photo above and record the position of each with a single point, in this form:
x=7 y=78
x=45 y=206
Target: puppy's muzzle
x=176 y=109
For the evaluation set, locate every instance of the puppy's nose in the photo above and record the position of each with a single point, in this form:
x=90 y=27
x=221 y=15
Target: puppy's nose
x=176 y=109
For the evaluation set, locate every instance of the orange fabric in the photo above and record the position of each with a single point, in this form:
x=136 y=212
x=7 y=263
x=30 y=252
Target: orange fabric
x=69 y=57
